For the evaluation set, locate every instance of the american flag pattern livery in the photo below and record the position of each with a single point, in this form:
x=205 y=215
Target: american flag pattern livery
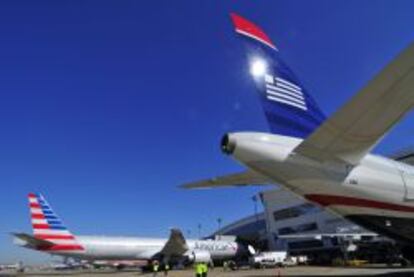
x=289 y=108
x=49 y=227
x=283 y=91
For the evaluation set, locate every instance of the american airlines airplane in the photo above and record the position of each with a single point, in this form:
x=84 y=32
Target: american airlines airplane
x=327 y=160
x=51 y=236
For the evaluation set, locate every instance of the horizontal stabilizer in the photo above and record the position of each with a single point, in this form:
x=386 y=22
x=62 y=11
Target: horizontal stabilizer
x=33 y=242
x=246 y=178
x=360 y=124
x=176 y=244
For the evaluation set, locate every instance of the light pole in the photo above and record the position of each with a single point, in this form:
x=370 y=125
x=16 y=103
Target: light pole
x=219 y=220
x=199 y=230
x=254 y=198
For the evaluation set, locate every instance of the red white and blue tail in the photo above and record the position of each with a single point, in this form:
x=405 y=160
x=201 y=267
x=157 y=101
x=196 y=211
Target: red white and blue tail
x=289 y=108
x=47 y=226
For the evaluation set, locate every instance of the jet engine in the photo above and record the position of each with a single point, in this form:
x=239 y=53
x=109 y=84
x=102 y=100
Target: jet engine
x=199 y=256
x=227 y=146
x=246 y=146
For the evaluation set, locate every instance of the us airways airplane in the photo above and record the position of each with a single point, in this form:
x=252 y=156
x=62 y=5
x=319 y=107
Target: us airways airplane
x=327 y=160
x=51 y=235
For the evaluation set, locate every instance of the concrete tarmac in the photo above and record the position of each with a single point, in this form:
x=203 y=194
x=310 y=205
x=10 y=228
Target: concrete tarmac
x=297 y=271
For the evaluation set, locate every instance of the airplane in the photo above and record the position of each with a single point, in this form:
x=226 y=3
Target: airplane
x=16 y=266
x=50 y=235
x=327 y=161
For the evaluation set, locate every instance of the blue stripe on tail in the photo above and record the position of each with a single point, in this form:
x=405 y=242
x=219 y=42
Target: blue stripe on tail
x=52 y=219
x=289 y=108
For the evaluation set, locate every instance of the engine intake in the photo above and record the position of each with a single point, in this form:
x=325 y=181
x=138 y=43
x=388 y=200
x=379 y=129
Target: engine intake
x=199 y=256
x=227 y=145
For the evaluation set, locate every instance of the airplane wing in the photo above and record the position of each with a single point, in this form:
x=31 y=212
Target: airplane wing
x=405 y=156
x=176 y=244
x=232 y=180
x=32 y=241
x=359 y=125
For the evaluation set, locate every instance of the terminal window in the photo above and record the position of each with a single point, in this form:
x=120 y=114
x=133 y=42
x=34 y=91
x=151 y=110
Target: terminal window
x=298 y=229
x=305 y=244
x=296 y=211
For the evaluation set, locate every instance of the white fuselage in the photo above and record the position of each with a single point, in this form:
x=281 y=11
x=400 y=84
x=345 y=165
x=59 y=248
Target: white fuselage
x=377 y=194
x=129 y=248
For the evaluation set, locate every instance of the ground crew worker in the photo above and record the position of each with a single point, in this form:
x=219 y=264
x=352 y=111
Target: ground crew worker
x=198 y=269
x=205 y=270
x=166 y=269
x=225 y=266
x=155 y=268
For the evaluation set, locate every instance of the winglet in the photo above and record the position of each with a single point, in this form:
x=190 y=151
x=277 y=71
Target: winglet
x=251 y=30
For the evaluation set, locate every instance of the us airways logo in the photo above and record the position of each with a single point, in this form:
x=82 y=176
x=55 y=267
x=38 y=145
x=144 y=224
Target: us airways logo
x=285 y=92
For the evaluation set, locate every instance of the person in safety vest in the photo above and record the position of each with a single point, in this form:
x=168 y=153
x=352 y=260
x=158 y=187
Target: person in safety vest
x=155 y=268
x=166 y=269
x=204 y=268
x=198 y=269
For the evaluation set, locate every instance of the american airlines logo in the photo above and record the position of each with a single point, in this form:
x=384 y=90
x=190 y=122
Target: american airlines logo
x=285 y=92
x=213 y=246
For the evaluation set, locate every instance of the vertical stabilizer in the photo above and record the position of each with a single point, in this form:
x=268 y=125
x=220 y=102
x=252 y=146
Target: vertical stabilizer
x=49 y=227
x=289 y=108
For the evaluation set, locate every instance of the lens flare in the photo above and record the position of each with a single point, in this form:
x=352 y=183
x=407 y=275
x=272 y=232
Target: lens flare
x=258 y=68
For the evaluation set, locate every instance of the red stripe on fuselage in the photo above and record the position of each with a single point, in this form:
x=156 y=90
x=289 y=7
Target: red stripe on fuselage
x=329 y=200
x=68 y=247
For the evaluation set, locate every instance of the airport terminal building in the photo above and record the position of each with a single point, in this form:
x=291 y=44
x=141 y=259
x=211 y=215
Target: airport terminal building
x=290 y=223
x=288 y=215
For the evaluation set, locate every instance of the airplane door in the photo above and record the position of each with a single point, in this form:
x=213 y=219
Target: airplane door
x=408 y=179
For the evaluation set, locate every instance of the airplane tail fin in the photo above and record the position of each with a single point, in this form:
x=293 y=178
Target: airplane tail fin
x=47 y=226
x=289 y=108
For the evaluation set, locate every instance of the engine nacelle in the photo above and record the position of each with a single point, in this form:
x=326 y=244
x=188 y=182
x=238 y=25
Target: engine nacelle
x=253 y=146
x=199 y=256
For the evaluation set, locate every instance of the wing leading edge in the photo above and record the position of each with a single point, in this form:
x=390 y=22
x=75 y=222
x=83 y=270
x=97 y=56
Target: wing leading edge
x=242 y=179
x=359 y=125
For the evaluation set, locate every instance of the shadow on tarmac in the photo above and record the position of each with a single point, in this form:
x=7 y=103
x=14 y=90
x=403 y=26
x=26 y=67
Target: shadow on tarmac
x=392 y=274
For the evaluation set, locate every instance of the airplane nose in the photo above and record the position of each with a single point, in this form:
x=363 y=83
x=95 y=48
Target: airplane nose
x=227 y=144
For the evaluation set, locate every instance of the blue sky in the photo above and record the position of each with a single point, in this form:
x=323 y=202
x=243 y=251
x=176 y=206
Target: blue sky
x=107 y=106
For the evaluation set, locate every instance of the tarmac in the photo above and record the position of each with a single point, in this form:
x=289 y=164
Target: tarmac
x=297 y=271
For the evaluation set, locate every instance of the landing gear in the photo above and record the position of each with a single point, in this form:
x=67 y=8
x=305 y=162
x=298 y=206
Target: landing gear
x=407 y=257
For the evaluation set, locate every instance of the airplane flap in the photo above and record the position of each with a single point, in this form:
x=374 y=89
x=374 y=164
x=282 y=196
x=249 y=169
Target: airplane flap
x=176 y=244
x=238 y=179
x=360 y=124
x=32 y=241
